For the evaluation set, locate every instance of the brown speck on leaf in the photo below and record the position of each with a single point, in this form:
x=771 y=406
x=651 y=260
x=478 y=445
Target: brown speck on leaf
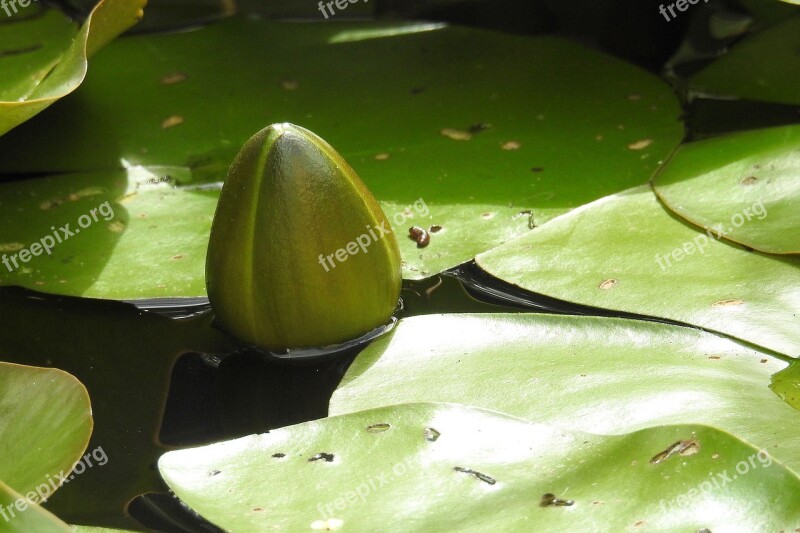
x=435 y=228
x=749 y=180
x=640 y=145
x=420 y=236
x=50 y=204
x=257 y=509
x=378 y=428
x=279 y=455
x=597 y=502
x=715 y=357
x=456 y=135
x=727 y=303
x=289 y=84
x=550 y=500
x=537 y=169
x=763 y=360
x=682 y=447
x=479 y=127
x=638 y=523
x=116 y=227
x=172 y=121
x=487 y=215
x=417 y=90
x=483 y=477
x=511 y=145
x=327 y=457
x=176 y=257
x=214 y=473
x=11 y=246
x=173 y=78
x=607 y=284
x=382 y=156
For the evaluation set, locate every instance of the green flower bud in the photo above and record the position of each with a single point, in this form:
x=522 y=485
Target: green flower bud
x=301 y=254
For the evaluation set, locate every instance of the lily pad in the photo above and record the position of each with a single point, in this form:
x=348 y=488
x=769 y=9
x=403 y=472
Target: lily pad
x=44 y=56
x=46 y=419
x=765 y=67
x=191 y=99
x=600 y=375
x=745 y=186
x=786 y=384
x=441 y=467
x=627 y=253
x=19 y=516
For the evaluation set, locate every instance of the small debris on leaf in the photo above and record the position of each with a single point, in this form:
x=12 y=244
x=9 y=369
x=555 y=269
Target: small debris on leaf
x=435 y=229
x=550 y=500
x=640 y=145
x=682 y=447
x=431 y=435
x=456 y=135
x=327 y=457
x=173 y=78
x=511 y=145
x=727 y=303
x=483 y=477
x=607 y=284
x=420 y=236
x=378 y=428
x=172 y=121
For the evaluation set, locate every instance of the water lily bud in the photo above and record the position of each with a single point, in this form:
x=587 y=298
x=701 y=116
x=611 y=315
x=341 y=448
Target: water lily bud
x=301 y=254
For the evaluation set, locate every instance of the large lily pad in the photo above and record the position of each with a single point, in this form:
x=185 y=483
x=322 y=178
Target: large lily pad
x=765 y=67
x=46 y=421
x=601 y=375
x=191 y=100
x=627 y=253
x=44 y=56
x=440 y=467
x=746 y=185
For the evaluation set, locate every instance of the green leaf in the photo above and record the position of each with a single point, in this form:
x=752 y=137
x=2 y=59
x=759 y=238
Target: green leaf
x=46 y=420
x=191 y=99
x=601 y=375
x=763 y=67
x=744 y=184
x=627 y=253
x=31 y=518
x=439 y=467
x=46 y=58
x=786 y=384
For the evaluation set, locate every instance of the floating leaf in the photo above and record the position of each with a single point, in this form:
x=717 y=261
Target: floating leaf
x=745 y=186
x=765 y=67
x=543 y=478
x=46 y=421
x=663 y=267
x=601 y=375
x=786 y=384
x=46 y=58
x=505 y=88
